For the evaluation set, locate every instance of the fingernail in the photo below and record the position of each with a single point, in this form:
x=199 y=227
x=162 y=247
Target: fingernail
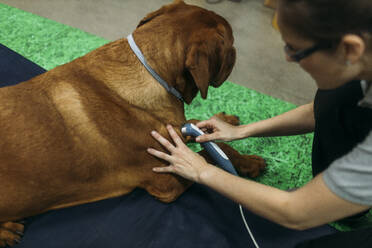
x=153 y=132
x=155 y=169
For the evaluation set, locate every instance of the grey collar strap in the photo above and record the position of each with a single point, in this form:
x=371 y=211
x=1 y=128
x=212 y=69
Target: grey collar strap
x=142 y=58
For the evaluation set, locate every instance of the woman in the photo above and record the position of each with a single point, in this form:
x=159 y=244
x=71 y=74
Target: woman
x=332 y=41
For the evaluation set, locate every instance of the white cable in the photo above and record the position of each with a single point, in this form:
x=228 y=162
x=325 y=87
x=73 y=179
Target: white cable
x=247 y=227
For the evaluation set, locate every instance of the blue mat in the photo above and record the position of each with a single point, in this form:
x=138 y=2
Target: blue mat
x=199 y=218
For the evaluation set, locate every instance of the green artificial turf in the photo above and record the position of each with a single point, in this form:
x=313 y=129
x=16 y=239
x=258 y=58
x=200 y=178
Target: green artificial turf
x=49 y=44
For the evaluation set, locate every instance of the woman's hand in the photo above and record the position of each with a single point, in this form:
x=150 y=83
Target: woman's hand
x=183 y=161
x=217 y=129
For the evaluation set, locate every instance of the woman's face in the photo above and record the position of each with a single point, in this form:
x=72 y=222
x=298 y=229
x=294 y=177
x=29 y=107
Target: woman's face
x=327 y=67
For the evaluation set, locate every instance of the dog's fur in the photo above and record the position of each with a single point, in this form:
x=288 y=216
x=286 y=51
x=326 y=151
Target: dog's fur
x=79 y=132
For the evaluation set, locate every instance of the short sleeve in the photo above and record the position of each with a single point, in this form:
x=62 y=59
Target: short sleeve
x=350 y=177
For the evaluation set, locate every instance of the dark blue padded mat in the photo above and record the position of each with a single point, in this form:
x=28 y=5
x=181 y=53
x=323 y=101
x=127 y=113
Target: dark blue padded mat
x=15 y=69
x=198 y=218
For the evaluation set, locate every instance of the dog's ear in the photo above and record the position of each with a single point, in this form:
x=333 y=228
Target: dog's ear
x=197 y=64
x=211 y=60
x=228 y=59
x=227 y=56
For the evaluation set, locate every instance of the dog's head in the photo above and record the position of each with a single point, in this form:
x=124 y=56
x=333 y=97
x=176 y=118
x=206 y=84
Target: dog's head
x=208 y=45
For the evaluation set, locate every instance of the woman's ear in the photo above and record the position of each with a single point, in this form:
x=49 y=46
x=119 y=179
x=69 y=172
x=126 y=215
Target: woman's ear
x=353 y=47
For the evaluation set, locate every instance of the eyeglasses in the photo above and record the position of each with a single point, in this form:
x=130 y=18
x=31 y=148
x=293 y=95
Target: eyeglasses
x=301 y=54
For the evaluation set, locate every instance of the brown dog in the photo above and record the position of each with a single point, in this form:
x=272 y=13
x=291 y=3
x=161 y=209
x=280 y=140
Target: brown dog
x=79 y=133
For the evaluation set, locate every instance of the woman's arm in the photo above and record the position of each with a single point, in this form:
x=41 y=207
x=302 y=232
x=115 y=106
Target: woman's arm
x=310 y=206
x=296 y=121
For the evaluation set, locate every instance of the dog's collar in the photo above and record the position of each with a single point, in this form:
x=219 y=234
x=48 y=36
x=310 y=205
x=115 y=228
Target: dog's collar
x=142 y=58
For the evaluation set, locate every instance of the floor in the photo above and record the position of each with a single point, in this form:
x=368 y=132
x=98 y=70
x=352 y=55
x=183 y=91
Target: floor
x=261 y=64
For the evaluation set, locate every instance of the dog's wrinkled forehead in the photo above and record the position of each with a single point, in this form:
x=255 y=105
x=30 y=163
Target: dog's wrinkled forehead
x=189 y=18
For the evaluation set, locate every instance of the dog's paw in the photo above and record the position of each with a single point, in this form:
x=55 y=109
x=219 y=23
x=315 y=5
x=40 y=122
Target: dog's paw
x=250 y=165
x=10 y=233
x=231 y=119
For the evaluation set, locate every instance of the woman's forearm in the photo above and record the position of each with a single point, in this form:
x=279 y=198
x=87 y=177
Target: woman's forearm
x=297 y=121
x=266 y=201
x=312 y=205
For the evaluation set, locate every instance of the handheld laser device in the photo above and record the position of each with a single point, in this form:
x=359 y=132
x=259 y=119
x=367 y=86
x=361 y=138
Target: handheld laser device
x=217 y=155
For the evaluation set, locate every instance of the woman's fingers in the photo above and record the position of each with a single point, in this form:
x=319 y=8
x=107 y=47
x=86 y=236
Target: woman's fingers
x=163 y=141
x=167 y=169
x=205 y=138
x=168 y=145
x=204 y=124
x=160 y=154
x=177 y=140
x=163 y=156
x=182 y=160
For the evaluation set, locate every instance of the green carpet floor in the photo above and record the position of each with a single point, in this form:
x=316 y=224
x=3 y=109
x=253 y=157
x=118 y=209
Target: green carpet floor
x=49 y=44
